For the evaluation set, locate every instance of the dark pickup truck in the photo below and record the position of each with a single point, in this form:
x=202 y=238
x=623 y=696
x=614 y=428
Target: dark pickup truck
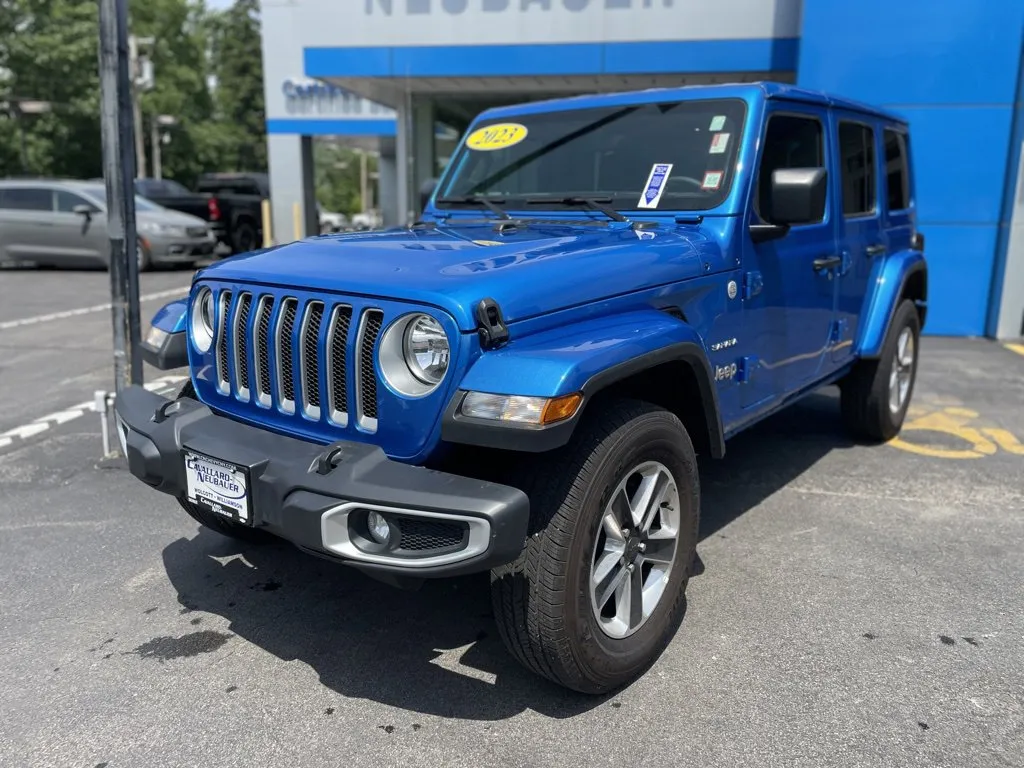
x=230 y=202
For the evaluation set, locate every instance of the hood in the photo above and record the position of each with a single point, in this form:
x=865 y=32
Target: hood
x=168 y=216
x=538 y=269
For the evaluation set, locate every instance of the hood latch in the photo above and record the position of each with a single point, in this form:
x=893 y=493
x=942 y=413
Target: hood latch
x=490 y=324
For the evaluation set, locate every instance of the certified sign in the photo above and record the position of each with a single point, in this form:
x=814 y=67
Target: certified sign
x=496 y=136
x=217 y=485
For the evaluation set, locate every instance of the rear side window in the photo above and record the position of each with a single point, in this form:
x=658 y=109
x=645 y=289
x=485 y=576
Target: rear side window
x=897 y=170
x=26 y=199
x=857 y=160
x=791 y=141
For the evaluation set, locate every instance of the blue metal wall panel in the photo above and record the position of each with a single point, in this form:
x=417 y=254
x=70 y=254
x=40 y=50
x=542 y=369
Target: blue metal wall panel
x=950 y=66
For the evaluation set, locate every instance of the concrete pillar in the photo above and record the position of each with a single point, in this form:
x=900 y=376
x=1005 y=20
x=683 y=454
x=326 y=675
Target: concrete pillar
x=424 y=147
x=1010 y=323
x=403 y=159
x=290 y=158
x=387 y=181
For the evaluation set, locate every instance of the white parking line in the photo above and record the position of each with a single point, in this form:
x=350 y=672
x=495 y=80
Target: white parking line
x=43 y=423
x=87 y=310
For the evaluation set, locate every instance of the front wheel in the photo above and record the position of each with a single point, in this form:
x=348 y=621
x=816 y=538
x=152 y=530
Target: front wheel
x=599 y=590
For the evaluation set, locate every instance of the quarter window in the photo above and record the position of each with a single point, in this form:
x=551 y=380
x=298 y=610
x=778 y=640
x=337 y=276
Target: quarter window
x=791 y=141
x=26 y=199
x=897 y=171
x=857 y=166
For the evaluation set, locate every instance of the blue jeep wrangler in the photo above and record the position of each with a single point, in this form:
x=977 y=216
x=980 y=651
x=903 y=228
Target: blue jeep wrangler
x=598 y=290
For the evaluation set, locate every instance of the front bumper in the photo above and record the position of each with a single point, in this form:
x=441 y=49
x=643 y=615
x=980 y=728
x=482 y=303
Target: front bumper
x=301 y=494
x=163 y=249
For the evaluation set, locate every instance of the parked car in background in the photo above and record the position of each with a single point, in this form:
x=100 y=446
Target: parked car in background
x=235 y=206
x=170 y=194
x=331 y=221
x=64 y=223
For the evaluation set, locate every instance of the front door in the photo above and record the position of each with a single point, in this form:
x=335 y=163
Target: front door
x=861 y=235
x=791 y=281
x=80 y=239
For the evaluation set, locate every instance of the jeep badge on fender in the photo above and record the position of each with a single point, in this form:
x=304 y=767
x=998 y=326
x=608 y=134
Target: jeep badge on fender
x=599 y=291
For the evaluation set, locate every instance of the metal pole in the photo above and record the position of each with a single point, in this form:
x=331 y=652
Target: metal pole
x=133 y=74
x=21 y=138
x=362 y=181
x=119 y=175
x=154 y=139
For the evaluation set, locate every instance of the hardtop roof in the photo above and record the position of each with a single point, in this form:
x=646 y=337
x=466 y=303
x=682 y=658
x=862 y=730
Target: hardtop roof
x=746 y=91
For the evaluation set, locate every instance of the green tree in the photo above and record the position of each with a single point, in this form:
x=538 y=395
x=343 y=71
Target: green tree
x=237 y=64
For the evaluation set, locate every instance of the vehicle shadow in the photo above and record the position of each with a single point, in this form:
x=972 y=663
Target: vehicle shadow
x=436 y=651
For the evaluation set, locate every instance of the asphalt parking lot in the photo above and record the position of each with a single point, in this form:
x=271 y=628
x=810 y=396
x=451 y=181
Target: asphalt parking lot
x=860 y=606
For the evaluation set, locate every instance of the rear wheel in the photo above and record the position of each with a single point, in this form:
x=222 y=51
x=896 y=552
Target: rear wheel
x=876 y=394
x=212 y=520
x=599 y=590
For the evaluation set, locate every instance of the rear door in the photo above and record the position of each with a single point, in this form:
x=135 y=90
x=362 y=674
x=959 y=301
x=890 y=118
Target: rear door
x=26 y=224
x=862 y=238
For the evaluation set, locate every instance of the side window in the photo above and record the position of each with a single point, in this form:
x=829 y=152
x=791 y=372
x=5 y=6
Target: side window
x=791 y=141
x=66 y=201
x=857 y=166
x=26 y=199
x=897 y=171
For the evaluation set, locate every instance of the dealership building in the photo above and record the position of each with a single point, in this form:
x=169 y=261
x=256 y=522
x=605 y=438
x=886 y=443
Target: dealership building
x=403 y=79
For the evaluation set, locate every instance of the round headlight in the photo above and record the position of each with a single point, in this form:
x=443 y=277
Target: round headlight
x=426 y=349
x=414 y=355
x=202 y=320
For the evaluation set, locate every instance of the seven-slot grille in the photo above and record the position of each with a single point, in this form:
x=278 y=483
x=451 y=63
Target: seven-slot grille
x=279 y=351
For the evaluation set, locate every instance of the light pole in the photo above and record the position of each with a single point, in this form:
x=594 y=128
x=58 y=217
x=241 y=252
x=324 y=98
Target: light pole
x=140 y=70
x=157 y=138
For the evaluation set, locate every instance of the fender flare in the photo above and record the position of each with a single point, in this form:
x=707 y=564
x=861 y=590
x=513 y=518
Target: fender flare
x=165 y=346
x=616 y=349
x=890 y=282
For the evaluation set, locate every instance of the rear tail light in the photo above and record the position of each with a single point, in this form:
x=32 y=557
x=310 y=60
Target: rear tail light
x=214 y=209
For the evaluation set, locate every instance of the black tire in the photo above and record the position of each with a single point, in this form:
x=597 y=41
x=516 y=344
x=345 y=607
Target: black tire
x=243 y=237
x=143 y=257
x=212 y=520
x=864 y=393
x=542 y=601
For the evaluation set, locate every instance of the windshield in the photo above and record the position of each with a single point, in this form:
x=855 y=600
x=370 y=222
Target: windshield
x=668 y=156
x=99 y=193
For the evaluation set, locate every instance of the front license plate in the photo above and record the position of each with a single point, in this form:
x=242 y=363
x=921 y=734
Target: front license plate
x=218 y=486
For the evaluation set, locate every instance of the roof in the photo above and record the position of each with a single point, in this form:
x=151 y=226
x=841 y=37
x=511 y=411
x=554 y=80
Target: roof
x=745 y=91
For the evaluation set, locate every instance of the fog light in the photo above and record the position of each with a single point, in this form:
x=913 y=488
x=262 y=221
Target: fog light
x=380 y=529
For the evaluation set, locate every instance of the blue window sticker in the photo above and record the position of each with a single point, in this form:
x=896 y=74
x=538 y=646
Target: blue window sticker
x=655 y=185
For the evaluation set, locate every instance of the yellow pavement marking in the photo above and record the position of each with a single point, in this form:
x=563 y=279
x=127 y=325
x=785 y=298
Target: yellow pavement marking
x=1018 y=348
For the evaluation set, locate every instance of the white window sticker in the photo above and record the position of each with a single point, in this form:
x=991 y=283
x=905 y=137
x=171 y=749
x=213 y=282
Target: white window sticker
x=655 y=185
x=718 y=143
x=712 y=180
x=717 y=123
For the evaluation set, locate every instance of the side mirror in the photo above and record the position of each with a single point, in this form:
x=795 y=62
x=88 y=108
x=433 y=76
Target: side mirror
x=84 y=210
x=797 y=196
x=426 y=190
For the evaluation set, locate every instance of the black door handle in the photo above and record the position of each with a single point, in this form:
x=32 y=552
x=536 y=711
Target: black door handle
x=874 y=250
x=827 y=263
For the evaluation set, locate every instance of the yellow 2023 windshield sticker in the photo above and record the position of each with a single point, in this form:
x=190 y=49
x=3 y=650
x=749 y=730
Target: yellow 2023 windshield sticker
x=496 y=136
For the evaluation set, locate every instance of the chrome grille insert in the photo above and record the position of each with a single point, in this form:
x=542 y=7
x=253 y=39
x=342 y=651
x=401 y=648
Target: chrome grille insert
x=261 y=358
x=240 y=333
x=366 y=376
x=284 y=350
x=309 y=359
x=223 y=307
x=337 y=364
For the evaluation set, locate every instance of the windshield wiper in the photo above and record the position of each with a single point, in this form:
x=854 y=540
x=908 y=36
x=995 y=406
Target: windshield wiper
x=491 y=203
x=594 y=203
